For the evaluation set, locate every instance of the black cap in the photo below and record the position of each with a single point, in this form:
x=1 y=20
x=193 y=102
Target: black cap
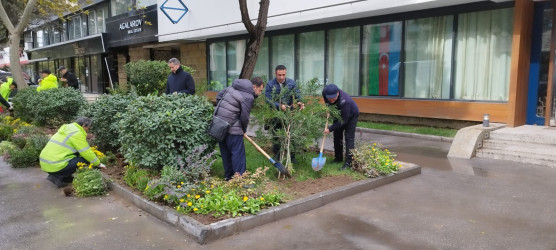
x=45 y=71
x=61 y=68
x=331 y=91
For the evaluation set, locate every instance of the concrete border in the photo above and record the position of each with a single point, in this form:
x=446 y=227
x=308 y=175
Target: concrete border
x=206 y=233
x=404 y=134
x=469 y=139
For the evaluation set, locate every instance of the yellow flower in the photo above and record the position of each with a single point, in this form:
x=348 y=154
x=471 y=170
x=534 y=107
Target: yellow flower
x=178 y=208
x=147 y=187
x=208 y=191
x=90 y=166
x=262 y=198
x=195 y=209
x=245 y=198
x=179 y=186
x=211 y=186
x=189 y=204
x=202 y=182
x=197 y=196
x=182 y=200
x=80 y=167
x=182 y=182
x=192 y=189
x=15 y=130
x=188 y=195
x=165 y=197
x=374 y=144
x=201 y=206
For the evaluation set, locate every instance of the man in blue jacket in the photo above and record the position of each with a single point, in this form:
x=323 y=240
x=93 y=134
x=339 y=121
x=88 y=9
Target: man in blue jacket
x=235 y=106
x=350 y=114
x=179 y=81
x=274 y=97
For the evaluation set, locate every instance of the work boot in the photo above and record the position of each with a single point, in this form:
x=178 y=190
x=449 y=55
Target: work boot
x=338 y=160
x=346 y=166
x=55 y=181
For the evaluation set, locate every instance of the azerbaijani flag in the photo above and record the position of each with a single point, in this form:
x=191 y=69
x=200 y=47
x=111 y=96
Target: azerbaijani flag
x=384 y=59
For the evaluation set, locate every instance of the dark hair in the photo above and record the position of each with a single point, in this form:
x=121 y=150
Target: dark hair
x=45 y=71
x=280 y=67
x=15 y=84
x=84 y=121
x=257 y=81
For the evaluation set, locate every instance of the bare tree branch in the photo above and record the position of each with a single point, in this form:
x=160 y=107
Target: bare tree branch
x=5 y=19
x=245 y=16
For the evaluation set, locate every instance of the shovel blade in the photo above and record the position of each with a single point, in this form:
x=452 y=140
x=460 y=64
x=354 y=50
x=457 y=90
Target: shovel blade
x=282 y=169
x=318 y=163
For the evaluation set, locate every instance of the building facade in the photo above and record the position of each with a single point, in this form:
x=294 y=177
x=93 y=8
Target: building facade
x=454 y=60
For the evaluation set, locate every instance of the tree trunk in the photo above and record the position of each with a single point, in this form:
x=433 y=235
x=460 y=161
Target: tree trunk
x=256 y=35
x=15 y=66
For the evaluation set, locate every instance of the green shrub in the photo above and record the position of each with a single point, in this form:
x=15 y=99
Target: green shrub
x=89 y=182
x=51 y=107
x=177 y=181
x=106 y=112
x=6 y=132
x=22 y=158
x=19 y=140
x=5 y=146
x=155 y=130
x=37 y=141
x=373 y=161
x=138 y=178
x=149 y=77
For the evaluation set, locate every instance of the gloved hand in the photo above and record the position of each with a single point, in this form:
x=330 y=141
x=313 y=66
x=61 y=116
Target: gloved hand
x=11 y=108
x=102 y=166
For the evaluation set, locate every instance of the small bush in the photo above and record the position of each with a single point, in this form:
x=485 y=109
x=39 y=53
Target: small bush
x=138 y=178
x=6 y=132
x=89 y=182
x=106 y=112
x=149 y=77
x=51 y=107
x=155 y=130
x=23 y=158
x=5 y=146
x=373 y=161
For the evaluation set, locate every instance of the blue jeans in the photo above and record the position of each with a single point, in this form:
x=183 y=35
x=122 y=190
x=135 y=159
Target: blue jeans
x=232 y=150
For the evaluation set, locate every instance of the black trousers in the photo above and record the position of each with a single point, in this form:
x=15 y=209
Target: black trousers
x=349 y=132
x=232 y=150
x=65 y=175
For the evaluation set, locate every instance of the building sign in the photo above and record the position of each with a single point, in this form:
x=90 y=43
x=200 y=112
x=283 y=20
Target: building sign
x=130 y=28
x=88 y=46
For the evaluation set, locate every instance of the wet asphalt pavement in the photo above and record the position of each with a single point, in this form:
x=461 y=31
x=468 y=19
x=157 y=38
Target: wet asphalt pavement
x=452 y=204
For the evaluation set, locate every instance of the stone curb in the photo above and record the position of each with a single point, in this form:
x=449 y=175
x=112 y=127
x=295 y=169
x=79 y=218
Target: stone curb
x=207 y=233
x=403 y=134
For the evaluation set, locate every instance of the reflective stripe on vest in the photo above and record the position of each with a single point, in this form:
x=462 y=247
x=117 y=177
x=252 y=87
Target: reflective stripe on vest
x=54 y=162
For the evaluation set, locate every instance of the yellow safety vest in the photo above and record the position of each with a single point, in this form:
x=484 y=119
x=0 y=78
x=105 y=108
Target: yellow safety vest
x=63 y=146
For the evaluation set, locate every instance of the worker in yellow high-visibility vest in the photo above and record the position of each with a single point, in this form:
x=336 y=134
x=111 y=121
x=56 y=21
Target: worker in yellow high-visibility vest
x=67 y=149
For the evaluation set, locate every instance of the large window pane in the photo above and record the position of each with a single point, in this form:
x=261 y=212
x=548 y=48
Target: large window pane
x=343 y=59
x=262 y=67
x=217 y=59
x=483 y=55
x=102 y=14
x=428 y=54
x=236 y=54
x=92 y=22
x=382 y=44
x=311 y=56
x=283 y=54
x=120 y=6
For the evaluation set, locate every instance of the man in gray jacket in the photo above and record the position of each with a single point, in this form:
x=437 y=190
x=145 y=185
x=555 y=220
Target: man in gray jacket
x=237 y=101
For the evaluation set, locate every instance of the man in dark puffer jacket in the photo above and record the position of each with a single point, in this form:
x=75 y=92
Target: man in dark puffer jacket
x=235 y=108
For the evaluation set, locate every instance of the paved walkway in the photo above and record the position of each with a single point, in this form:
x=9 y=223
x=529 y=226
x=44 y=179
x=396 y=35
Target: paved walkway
x=453 y=204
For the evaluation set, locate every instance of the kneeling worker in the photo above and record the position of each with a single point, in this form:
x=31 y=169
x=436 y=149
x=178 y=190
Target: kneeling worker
x=67 y=148
x=350 y=114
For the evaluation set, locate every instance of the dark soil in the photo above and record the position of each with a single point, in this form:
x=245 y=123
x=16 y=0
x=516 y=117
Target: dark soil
x=293 y=188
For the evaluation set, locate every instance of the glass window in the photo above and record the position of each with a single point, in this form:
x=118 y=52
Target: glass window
x=311 y=56
x=283 y=54
x=120 y=6
x=145 y=3
x=64 y=36
x=236 y=54
x=483 y=55
x=428 y=55
x=343 y=59
x=102 y=14
x=261 y=68
x=217 y=57
x=39 y=40
x=76 y=27
x=382 y=44
x=92 y=22
x=56 y=35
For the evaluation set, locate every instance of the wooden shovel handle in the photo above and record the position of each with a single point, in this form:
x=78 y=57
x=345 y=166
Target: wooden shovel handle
x=324 y=137
x=256 y=146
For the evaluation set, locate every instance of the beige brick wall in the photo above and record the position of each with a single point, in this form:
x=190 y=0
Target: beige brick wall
x=194 y=55
x=122 y=76
x=139 y=53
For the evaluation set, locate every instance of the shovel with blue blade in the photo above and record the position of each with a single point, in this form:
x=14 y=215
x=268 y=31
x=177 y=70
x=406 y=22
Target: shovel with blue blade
x=278 y=165
x=318 y=162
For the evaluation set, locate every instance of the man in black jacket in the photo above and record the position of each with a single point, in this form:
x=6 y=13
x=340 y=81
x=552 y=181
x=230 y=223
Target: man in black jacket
x=235 y=107
x=350 y=114
x=179 y=81
x=68 y=79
